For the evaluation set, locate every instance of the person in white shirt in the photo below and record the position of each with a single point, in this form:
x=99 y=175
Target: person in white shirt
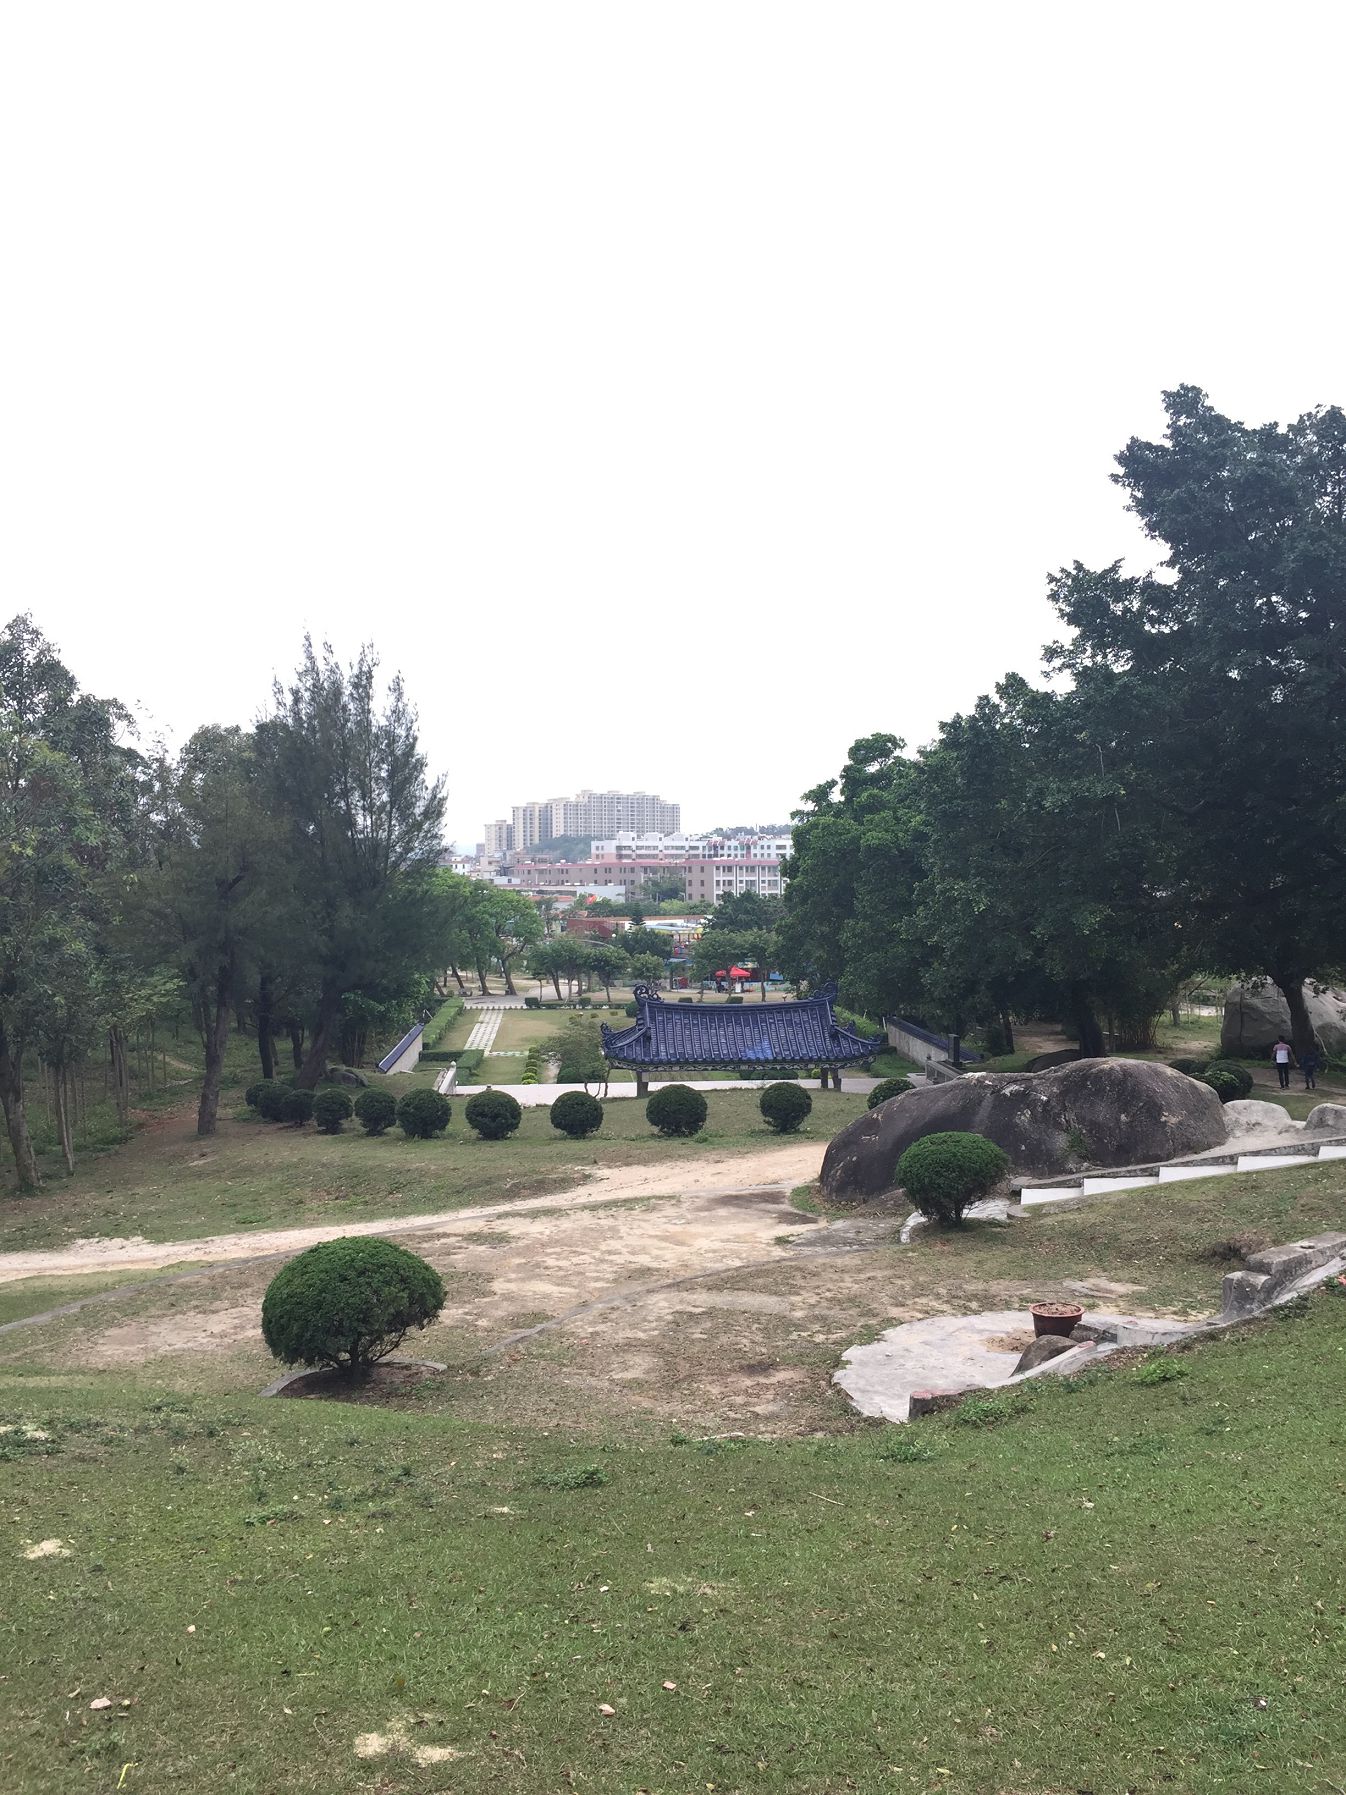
x=1281 y=1054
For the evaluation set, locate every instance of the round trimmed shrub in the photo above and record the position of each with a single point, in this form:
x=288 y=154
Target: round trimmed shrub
x=736 y=998
x=677 y=1109
x=348 y=1303
x=423 y=1113
x=493 y=1114
x=1194 y=1068
x=886 y=1088
x=632 y=1009
x=297 y=1108
x=375 y=1110
x=1235 y=1071
x=331 y=1107
x=943 y=1173
x=270 y=1104
x=252 y=1095
x=1223 y=1083
x=785 y=1107
x=577 y=1114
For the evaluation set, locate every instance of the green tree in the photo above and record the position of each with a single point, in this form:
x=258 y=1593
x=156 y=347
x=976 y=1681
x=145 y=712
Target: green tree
x=1217 y=687
x=347 y=775
x=640 y=940
x=67 y=819
x=607 y=963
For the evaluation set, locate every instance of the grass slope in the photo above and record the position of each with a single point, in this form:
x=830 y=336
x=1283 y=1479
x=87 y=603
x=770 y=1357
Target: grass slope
x=168 y=1185
x=1127 y=1585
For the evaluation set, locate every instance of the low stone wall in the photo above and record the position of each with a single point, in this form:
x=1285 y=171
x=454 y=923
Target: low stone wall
x=1274 y=1271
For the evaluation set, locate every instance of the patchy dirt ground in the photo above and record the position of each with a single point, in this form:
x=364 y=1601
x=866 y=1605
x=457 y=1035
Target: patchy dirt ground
x=784 y=1166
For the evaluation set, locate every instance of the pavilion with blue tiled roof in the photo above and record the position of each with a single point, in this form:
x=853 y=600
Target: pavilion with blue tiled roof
x=802 y=1033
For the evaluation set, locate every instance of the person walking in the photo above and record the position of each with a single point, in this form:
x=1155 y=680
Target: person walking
x=1308 y=1065
x=1281 y=1055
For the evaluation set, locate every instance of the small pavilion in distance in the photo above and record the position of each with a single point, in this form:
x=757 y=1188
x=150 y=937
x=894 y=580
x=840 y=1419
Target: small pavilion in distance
x=799 y=1034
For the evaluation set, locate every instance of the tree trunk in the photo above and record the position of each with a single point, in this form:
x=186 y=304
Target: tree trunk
x=266 y=1045
x=121 y=1078
x=215 y=1039
x=60 y=1078
x=1007 y=1030
x=509 y=982
x=481 y=979
x=1088 y=1029
x=462 y=988
x=16 y=1122
x=556 y=985
x=315 y=1061
x=1291 y=988
x=297 y=1044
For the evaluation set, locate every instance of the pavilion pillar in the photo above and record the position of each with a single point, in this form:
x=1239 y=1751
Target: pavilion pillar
x=642 y=1085
x=822 y=1078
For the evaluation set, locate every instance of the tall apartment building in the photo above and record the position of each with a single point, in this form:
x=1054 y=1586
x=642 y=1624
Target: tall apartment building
x=629 y=846
x=499 y=839
x=590 y=814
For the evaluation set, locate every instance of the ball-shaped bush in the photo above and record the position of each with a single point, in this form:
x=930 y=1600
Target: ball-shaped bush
x=423 y=1113
x=494 y=1114
x=1223 y=1083
x=785 y=1107
x=331 y=1107
x=297 y=1108
x=348 y=1303
x=1241 y=1074
x=632 y=1009
x=886 y=1088
x=271 y=1095
x=677 y=1109
x=577 y=1114
x=375 y=1110
x=944 y=1173
x=254 y=1091
x=1194 y=1068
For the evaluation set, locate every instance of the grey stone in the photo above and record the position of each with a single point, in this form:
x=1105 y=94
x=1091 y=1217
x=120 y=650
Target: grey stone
x=1327 y=1118
x=345 y=1075
x=1046 y=1346
x=1045 y=1061
x=1124 y=1111
x=1248 y=1118
x=1243 y=1293
x=1254 y=1018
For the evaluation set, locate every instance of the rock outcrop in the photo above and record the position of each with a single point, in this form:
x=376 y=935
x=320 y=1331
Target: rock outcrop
x=1091 y=1112
x=1327 y=1118
x=1254 y=1018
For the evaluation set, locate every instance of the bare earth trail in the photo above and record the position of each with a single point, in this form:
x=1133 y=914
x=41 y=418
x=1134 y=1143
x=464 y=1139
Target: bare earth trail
x=776 y=1167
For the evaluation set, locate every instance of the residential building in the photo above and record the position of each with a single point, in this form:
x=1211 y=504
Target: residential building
x=499 y=839
x=710 y=880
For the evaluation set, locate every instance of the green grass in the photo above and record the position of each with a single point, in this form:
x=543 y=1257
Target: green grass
x=169 y=1185
x=1115 y=1585
x=33 y=1296
x=1161 y=1241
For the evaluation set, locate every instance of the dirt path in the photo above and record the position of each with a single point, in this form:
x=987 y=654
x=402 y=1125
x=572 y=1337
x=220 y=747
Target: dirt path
x=783 y=1166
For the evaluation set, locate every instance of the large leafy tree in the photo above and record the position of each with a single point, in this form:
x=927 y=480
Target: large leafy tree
x=345 y=771
x=221 y=881
x=1220 y=683
x=67 y=811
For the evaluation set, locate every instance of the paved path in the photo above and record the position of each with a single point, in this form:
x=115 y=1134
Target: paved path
x=484 y=1032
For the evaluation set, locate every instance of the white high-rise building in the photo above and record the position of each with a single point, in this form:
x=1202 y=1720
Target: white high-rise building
x=590 y=814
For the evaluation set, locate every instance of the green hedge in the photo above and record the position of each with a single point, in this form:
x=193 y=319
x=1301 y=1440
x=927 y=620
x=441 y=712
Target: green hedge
x=441 y=1022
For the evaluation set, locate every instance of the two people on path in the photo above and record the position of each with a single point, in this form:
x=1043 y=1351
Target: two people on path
x=1282 y=1056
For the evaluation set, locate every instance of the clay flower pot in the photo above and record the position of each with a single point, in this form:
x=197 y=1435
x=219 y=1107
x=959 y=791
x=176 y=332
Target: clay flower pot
x=1055 y=1318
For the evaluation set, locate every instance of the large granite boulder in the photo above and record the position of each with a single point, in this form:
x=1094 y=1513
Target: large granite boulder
x=1091 y=1112
x=1254 y=1017
x=1329 y=1118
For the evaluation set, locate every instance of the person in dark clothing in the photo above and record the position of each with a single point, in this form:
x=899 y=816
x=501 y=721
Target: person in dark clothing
x=1308 y=1065
x=1281 y=1055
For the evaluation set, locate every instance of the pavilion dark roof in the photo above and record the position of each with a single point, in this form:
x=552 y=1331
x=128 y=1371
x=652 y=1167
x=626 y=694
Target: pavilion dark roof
x=800 y=1032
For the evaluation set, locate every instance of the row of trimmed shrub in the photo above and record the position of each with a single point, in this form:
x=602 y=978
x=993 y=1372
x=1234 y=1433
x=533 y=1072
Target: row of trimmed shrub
x=532 y=1066
x=441 y=1022
x=676 y=1110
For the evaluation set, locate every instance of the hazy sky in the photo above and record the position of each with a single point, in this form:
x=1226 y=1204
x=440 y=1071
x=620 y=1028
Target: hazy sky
x=673 y=392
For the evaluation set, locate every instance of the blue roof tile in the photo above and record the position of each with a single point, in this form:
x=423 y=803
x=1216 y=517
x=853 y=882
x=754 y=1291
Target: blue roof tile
x=803 y=1032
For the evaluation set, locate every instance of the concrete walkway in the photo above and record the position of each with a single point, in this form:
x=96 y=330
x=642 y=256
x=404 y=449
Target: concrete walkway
x=484 y=1032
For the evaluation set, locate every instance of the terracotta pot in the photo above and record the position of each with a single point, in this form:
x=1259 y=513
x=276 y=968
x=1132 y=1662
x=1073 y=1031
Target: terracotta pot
x=1055 y=1318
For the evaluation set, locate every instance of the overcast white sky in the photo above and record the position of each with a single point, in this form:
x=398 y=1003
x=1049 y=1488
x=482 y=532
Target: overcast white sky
x=672 y=392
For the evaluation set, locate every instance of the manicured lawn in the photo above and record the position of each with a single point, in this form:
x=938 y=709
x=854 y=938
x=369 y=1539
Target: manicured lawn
x=1124 y=1585
x=168 y=1185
